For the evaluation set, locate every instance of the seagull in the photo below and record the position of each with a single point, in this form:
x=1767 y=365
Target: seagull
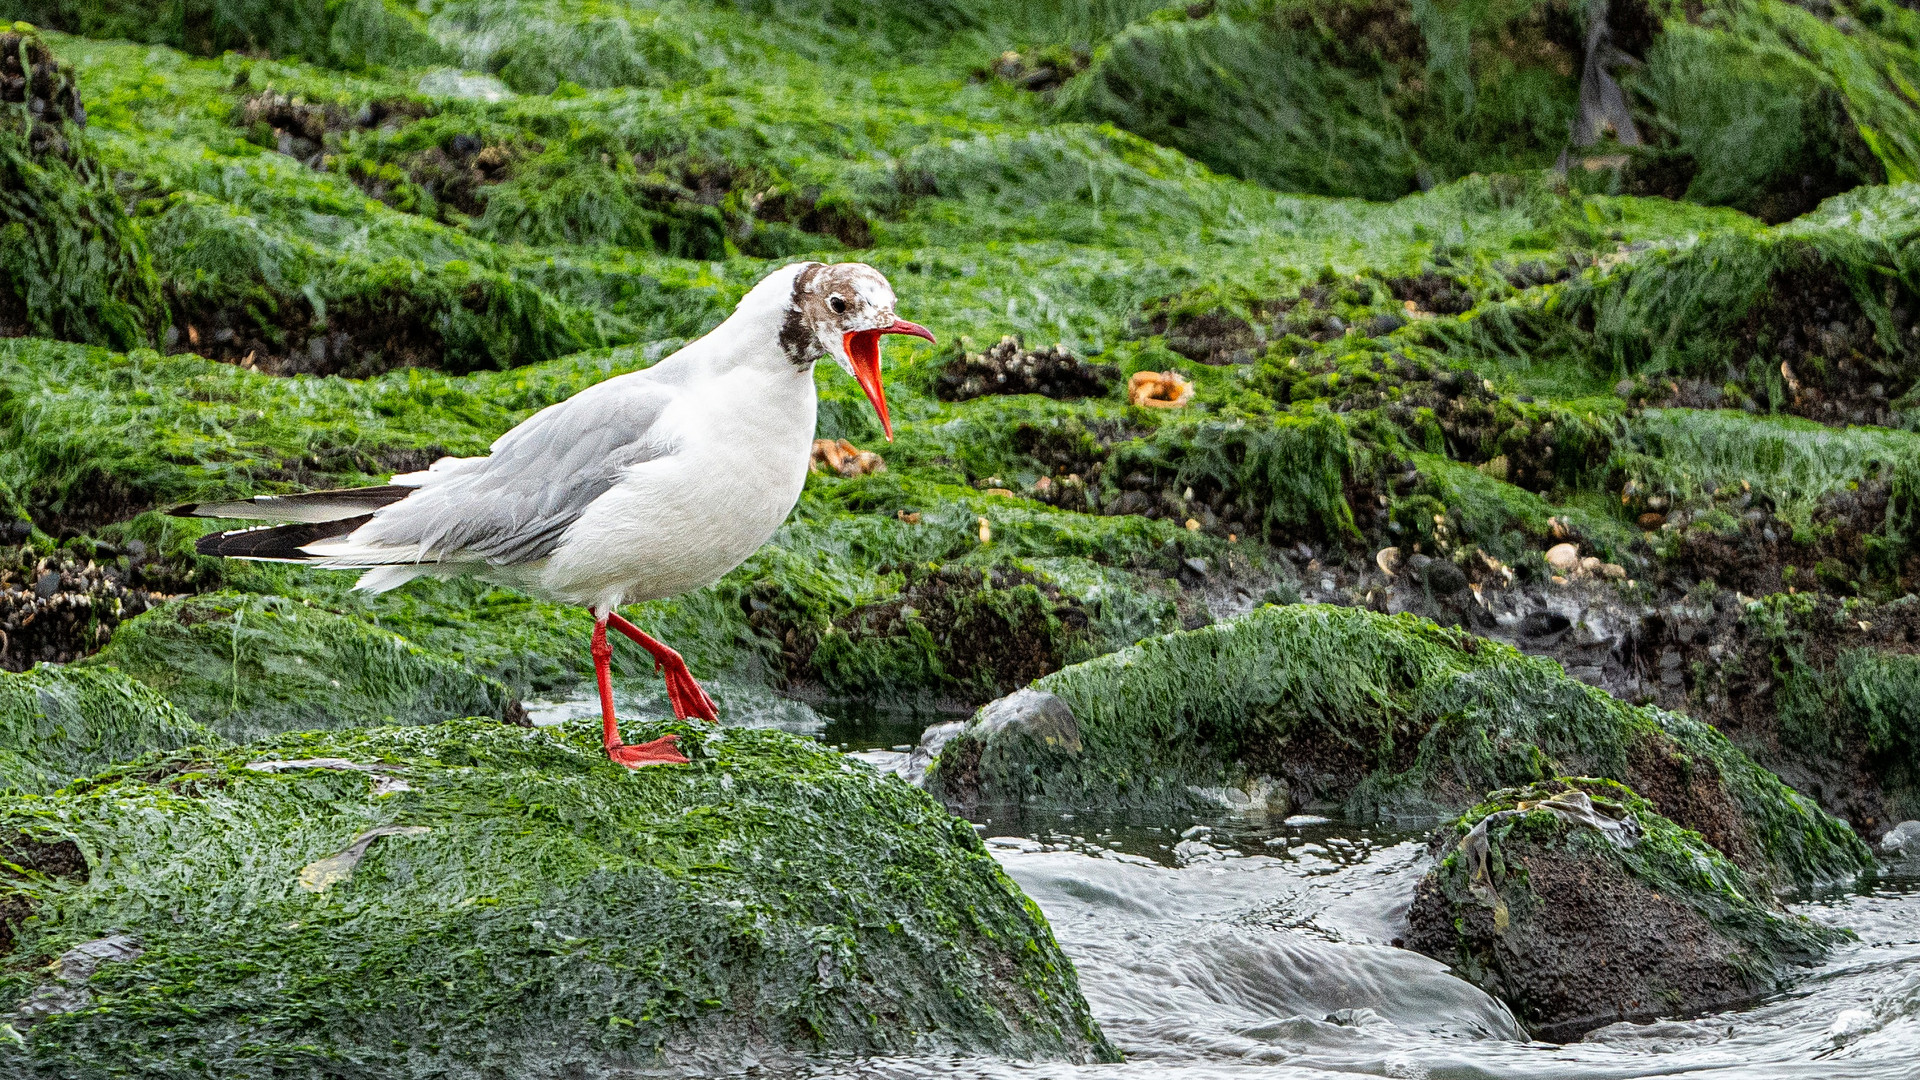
x=645 y=486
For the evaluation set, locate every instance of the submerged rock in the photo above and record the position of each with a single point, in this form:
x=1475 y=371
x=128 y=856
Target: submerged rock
x=250 y=666
x=1577 y=903
x=60 y=723
x=522 y=907
x=1389 y=716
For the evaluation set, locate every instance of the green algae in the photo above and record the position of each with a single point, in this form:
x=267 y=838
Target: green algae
x=71 y=263
x=251 y=666
x=1744 y=103
x=1499 y=915
x=1389 y=716
x=62 y=723
x=560 y=911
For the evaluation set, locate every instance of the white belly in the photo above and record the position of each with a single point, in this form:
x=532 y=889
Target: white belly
x=681 y=522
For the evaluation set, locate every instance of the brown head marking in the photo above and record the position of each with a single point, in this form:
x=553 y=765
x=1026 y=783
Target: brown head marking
x=796 y=333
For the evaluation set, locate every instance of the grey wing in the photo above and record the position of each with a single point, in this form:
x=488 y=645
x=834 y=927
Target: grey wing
x=514 y=505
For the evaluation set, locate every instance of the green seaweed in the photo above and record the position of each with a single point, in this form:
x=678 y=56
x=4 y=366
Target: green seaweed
x=1391 y=716
x=250 y=666
x=62 y=723
x=557 y=911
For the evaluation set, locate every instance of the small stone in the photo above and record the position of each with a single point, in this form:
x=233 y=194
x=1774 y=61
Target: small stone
x=1563 y=557
x=1651 y=521
x=1590 y=565
x=1613 y=571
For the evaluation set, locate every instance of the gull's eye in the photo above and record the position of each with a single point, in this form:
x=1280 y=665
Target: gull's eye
x=838 y=305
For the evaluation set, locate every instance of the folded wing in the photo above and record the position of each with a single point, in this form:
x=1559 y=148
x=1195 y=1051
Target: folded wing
x=512 y=506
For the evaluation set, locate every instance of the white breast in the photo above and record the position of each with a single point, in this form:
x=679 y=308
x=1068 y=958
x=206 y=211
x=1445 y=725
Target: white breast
x=681 y=521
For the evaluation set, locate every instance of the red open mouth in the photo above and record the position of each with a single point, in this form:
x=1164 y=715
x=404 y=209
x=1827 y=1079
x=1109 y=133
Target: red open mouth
x=863 y=349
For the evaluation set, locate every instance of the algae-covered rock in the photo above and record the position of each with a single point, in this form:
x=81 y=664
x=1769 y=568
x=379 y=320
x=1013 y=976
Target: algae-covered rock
x=1390 y=716
x=1747 y=103
x=71 y=264
x=59 y=723
x=475 y=899
x=1578 y=904
x=250 y=666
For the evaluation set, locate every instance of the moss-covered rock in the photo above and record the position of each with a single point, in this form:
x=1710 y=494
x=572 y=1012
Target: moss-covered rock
x=1389 y=716
x=1749 y=103
x=1578 y=904
x=472 y=898
x=60 y=723
x=250 y=666
x=71 y=263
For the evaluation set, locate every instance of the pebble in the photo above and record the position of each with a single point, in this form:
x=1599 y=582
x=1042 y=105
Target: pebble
x=1298 y=821
x=1563 y=557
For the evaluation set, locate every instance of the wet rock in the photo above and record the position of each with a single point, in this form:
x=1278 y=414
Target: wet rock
x=1578 y=904
x=61 y=607
x=953 y=637
x=1901 y=846
x=1027 y=728
x=1007 y=368
x=1386 y=715
x=847 y=896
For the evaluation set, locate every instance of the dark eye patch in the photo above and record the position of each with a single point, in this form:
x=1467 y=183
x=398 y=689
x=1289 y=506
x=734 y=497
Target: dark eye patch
x=838 y=305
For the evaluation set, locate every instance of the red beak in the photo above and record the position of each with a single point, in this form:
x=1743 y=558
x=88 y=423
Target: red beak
x=863 y=348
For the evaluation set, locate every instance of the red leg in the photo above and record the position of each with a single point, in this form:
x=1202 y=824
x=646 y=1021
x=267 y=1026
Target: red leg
x=683 y=692
x=658 y=752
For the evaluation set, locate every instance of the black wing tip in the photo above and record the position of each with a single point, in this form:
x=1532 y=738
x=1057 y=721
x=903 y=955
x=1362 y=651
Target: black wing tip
x=281 y=543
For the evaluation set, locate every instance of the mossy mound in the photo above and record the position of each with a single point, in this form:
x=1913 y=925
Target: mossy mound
x=351 y=34
x=1747 y=103
x=531 y=909
x=1388 y=716
x=71 y=264
x=250 y=666
x=1578 y=904
x=60 y=723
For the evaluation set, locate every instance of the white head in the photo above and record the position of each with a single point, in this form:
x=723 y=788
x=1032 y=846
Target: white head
x=842 y=310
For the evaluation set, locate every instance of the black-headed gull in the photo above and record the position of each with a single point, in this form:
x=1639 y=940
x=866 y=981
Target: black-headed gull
x=647 y=485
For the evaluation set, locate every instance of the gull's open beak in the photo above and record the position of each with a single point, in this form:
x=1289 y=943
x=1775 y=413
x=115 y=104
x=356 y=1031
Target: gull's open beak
x=863 y=350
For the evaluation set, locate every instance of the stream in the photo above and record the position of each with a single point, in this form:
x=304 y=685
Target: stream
x=1243 y=948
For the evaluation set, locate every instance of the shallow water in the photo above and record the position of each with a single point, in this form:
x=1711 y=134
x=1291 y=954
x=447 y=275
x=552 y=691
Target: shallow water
x=1260 y=950
x=1248 y=948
